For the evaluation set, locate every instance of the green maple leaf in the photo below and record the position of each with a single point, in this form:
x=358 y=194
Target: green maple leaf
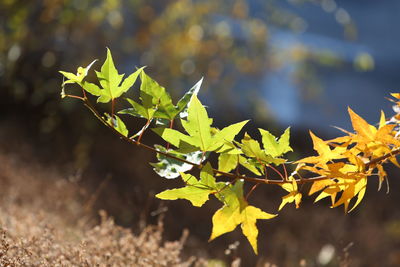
x=196 y=191
x=237 y=211
x=77 y=78
x=138 y=110
x=251 y=148
x=227 y=162
x=198 y=127
x=81 y=73
x=274 y=147
x=110 y=80
x=156 y=102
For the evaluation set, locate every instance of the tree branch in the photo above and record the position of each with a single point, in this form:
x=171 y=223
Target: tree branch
x=235 y=176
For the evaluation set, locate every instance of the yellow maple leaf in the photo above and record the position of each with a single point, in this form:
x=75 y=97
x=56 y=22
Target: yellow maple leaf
x=293 y=196
x=372 y=142
x=320 y=185
x=326 y=154
x=362 y=127
x=352 y=189
x=237 y=211
x=396 y=95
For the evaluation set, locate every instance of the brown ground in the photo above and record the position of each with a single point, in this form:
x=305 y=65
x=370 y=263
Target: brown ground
x=43 y=222
x=47 y=218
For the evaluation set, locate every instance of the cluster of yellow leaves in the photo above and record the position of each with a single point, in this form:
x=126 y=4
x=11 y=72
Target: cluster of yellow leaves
x=345 y=163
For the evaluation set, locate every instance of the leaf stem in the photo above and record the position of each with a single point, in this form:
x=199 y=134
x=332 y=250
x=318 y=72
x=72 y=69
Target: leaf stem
x=278 y=172
x=112 y=108
x=171 y=125
x=142 y=132
x=251 y=191
x=84 y=93
x=285 y=171
x=75 y=96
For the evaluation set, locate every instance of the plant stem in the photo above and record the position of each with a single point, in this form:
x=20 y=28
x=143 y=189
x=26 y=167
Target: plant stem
x=112 y=108
x=171 y=125
x=75 y=96
x=251 y=191
x=142 y=132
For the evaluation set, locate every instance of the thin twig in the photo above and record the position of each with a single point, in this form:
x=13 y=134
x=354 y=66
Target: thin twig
x=285 y=171
x=251 y=191
x=143 y=130
x=278 y=172
x=75 y=96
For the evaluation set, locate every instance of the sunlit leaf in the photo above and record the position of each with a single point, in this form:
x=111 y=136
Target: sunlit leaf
x=79 y=76
x=273 y=146
x=196 y=191
x=227 y=162
x=361 y=126
x=110 y=80
x=293 y=196
x=251 y=148
x=237 y=211
x=352 y=189
x=198 y=127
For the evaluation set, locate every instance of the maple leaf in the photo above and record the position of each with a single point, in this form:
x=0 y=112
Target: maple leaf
x=320 y=185
x=326 y=154
x=110 y=81
x=237 y=211
x=81 y=73
x=362 y=127
x=157 y=102
x=337 y=170
x=273 y=146
x=371 y=143
x=198 y=127
x=78 y=79
x=227 y=162
x=352 y=189
x=293 y=196
x=196 y=191
x=251 y=148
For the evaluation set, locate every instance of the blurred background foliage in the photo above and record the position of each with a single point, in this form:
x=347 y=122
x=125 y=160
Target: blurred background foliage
x=228 y=42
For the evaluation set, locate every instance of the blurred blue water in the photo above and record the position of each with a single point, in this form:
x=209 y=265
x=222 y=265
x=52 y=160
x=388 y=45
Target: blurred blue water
x=378 y=35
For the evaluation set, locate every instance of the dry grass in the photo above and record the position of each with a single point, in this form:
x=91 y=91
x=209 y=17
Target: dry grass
x=43 y=223
x=48 y=220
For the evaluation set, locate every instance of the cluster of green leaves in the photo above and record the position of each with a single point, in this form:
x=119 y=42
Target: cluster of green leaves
x=343 y=164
